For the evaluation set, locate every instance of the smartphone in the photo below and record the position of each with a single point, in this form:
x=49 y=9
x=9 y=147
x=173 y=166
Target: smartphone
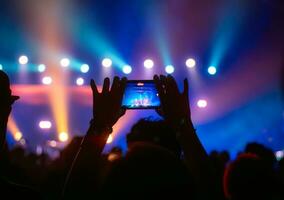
x=141 y=94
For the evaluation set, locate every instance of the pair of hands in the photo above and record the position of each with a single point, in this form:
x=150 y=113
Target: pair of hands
x=107 y=104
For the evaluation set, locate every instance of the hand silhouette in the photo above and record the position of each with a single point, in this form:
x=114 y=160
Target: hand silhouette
x=107 y=104
x=6 y=98
x=6 y=102
x=175 y=106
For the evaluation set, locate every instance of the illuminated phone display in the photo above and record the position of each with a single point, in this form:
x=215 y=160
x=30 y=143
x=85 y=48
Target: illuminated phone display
x=141 y=95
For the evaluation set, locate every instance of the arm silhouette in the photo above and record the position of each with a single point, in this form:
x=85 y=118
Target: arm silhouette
x=83 y=177
x=176 y=111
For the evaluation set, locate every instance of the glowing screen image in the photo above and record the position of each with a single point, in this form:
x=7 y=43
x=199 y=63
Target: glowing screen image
x=140 y=95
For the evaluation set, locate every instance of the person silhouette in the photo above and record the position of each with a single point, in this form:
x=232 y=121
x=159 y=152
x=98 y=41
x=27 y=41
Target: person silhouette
x=9 y=189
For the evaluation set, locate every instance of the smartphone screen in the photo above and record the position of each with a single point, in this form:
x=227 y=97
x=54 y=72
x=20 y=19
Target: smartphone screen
x=141 y=95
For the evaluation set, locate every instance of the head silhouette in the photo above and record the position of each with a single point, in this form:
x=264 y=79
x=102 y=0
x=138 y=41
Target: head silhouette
x=249 y=177
x=155 y=132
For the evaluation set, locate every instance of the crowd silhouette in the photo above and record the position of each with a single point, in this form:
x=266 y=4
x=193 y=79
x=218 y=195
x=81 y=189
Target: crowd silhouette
x=164 y=158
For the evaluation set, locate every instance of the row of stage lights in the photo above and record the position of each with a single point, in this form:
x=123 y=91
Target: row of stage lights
x=106 y=63
x=127 y=69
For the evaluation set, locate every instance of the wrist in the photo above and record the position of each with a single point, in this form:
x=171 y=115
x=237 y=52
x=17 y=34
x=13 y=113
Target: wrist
x=184 y=126
x=100 y=128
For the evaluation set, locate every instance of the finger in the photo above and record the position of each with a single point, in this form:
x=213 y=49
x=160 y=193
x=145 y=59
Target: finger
x=122 y=112
x=123 y=83
x=14 y=98
x=172 y=85
x=106 y=85
x=121 y=89
x=115 y=83
x=94 y=87
x=185 y=91
x=185 y=87
x=159 y=86
x=160 y=111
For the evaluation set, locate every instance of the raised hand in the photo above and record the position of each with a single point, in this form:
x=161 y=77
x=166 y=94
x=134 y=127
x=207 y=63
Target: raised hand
x=107 y=104
x=175 y=105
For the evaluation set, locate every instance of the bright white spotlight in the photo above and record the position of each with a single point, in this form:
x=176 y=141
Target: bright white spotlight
x=1 y=67
x=106 y=62
x=64 y=62
x=23 y=60
x=109 y=139
x=127 y=69
x=18 y=136
x=63 y=137
x=84 y=68
x=47 y=80
x=41 y=68
x=148 y=63
x=190 y=63
x=80 y=81
x=201 y=103
x=212 y=70
x=45 y=124
x=169 y=69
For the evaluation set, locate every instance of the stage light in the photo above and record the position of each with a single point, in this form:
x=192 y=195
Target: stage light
x=190 y=63
x=47 y=80
x=52 y=143
x=23 y=60
x=63 y=137
x=41 y=68
x=148 y=63
x=84 y=68
x=127 y=69
x=106 y=62
x=201 y=103
x=45 y=124
x=109 y=139
x=18 y=136
x=80 y=81
x=1 y=67
x=212 y=70
x=64 y=62
x=169 y=69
